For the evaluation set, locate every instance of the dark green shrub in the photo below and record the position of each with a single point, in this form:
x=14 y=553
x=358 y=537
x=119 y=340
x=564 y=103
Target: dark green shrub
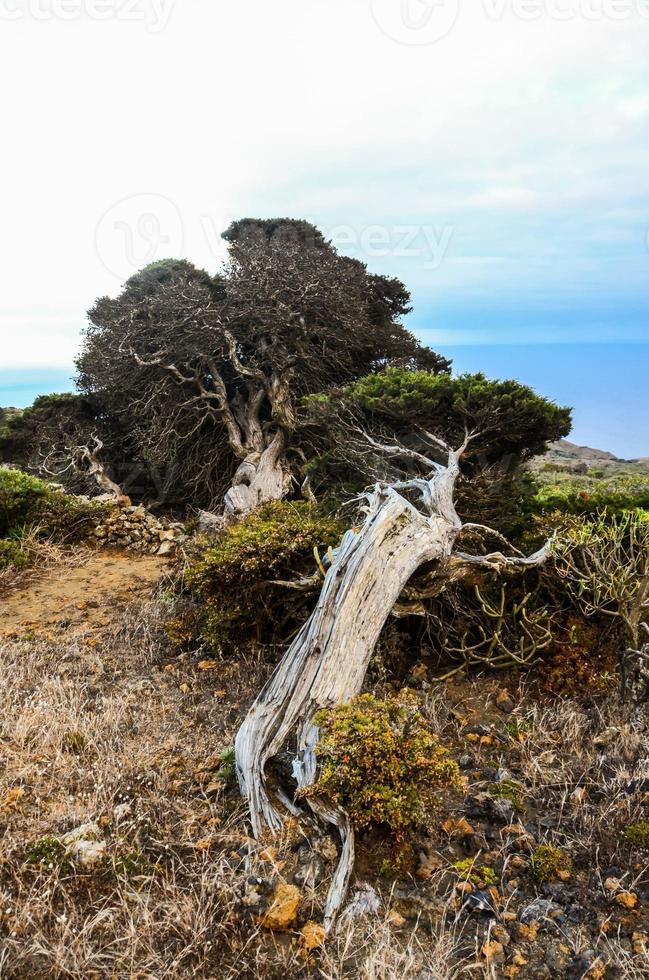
x=381 y=762
x=22 y=498
x=237 y=578
x=48 y=851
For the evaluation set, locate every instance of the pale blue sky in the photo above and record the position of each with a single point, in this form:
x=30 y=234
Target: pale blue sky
x=492 y=154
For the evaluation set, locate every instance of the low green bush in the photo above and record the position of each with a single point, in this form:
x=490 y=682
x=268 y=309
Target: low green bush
x=12 y=554
x=589 y=495
x=637 y=834
x=380 y=760
x=236 y=580
x=480 y=875
x=26 y=501
x=22 y=499
x=548 y=862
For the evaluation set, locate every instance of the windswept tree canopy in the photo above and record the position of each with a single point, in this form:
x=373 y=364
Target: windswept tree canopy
x=412 y=411
x=211 y=369
x=508 y=418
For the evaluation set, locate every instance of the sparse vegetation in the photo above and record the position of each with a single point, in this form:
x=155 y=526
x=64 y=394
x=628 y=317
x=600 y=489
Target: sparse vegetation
x=480 y=875
x=549 y=862
x=25 y=500
x=474 y=803
x=637 y=834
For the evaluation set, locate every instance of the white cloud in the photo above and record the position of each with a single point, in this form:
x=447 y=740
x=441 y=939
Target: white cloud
x=527 y=137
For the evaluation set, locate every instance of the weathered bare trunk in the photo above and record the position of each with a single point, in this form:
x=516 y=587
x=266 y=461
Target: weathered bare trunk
x=97 y=470
x=327 y=662
x=261 y=477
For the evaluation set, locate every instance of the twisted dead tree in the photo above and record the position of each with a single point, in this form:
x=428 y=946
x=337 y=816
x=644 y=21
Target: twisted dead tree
x=407 y=523
x=84 y=460
x=211 y=370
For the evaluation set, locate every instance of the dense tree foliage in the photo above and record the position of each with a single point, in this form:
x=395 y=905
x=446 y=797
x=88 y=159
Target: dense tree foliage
x=211 y=369
x=385 y=426
x=48 y=439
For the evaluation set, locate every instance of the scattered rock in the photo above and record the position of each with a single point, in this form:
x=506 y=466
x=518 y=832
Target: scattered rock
x=479 y=901
x=493 y=951
x=136 y=529
x=84 y=845
x=504 y=701
x=311 y=870
x=594 y=965
x=87 y=852
x=628 y=900
x=313 y=936
x=457 y=828
x=396 y=920
x=364 y=901
x=86 y=831
x=541 y=910
x=282 y=911
x=121 y=811
x=485 y=806
x=526 y=932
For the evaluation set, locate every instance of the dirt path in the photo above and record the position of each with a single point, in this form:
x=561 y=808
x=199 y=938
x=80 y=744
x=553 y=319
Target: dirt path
x=79 y=599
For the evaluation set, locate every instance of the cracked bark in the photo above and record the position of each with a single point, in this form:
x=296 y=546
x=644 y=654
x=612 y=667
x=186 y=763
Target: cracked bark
x=327 y=662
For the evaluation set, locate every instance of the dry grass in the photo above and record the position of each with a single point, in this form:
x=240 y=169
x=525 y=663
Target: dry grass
x=86 y=728
x=584 y=765
x=88 y=725
x=43 y=554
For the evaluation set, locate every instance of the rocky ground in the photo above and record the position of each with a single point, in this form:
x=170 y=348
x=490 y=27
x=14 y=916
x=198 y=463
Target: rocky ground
x=125 y=849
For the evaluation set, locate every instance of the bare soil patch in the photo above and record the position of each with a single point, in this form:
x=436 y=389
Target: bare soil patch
x=78 y=599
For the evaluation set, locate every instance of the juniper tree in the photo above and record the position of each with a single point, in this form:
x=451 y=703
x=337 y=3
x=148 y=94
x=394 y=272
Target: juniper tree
x=413 y=432
x=211 y=369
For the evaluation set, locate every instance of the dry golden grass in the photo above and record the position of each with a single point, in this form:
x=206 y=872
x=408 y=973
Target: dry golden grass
x=122 y=730
x=43 y=555
x=124 y=722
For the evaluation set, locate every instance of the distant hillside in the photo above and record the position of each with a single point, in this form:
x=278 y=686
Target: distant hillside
x=568 y=457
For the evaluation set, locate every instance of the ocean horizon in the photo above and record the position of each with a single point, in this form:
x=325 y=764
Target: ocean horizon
x=604 y=383
x=20 y=386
